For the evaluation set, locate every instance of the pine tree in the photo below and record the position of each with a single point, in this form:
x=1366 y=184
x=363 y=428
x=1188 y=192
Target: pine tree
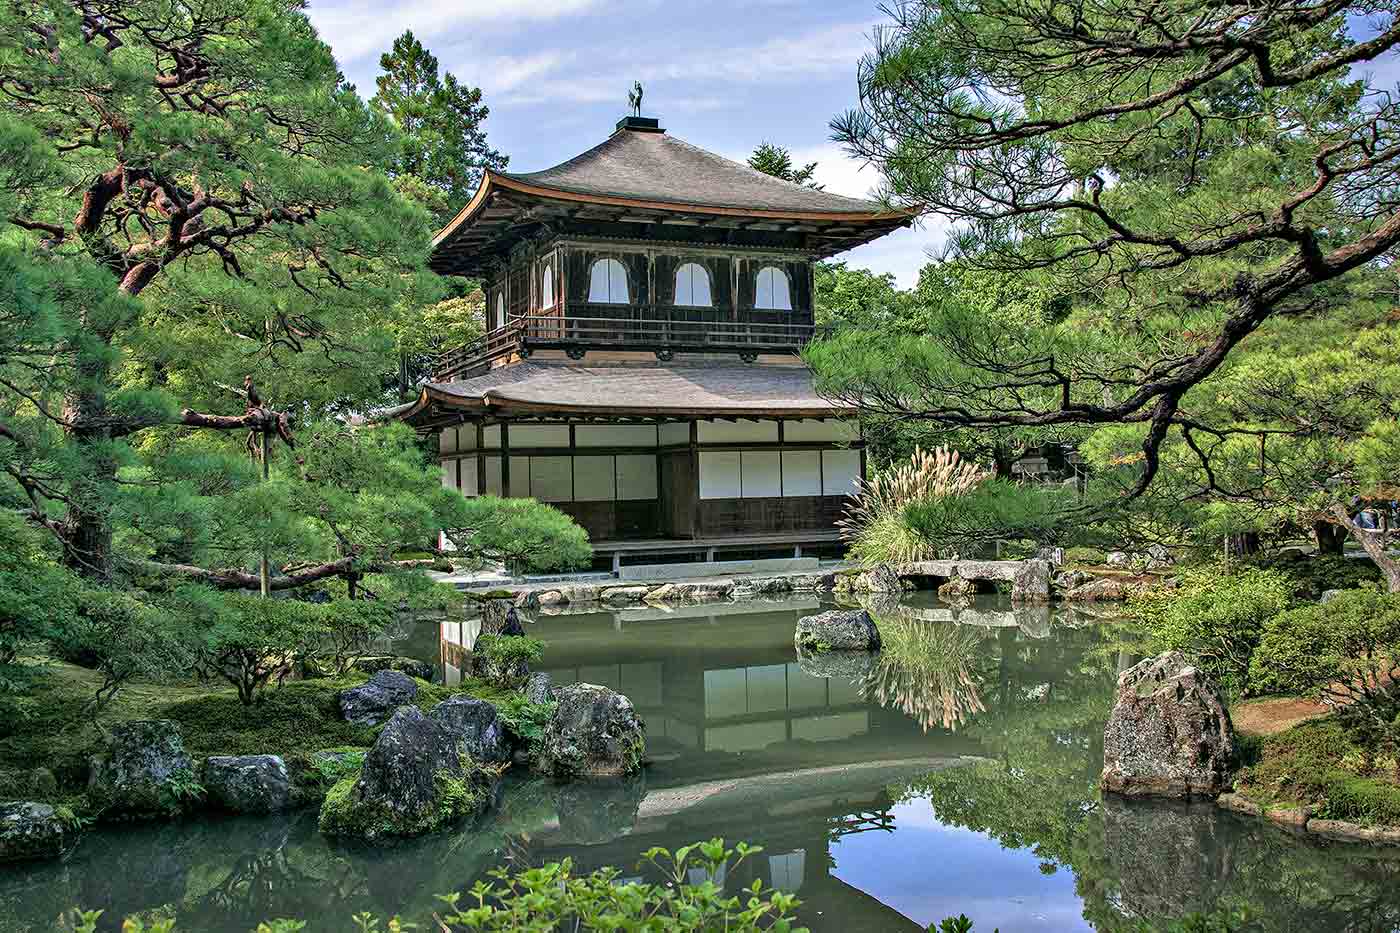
x=443 y=142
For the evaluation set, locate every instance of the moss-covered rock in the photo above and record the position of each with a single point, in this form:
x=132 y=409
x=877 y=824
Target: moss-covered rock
x=143 y=772
x=248 y=783
x=595 y=732
x=415 y=780
x=413 y=667
x=372 y=702
x=31 y=831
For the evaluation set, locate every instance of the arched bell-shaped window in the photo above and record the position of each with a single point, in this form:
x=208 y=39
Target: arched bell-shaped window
x=693 y=286
x=547 y=285
x=499 y=318
x=607 y=283
x=772 y=292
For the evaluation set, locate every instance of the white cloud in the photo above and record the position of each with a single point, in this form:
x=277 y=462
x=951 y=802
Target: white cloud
x=504 y=73
x=829 y=50
x=364 y=27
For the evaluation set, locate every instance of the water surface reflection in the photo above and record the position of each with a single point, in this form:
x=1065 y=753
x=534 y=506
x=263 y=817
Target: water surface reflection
x=955 y=773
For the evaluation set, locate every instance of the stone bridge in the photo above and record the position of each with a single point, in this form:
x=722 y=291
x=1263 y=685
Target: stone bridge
x=1029 y=579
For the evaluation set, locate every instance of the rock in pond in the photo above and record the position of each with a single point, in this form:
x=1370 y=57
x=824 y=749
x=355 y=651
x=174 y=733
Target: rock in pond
x=476 y=725
x=144 y=771
x=373 y=701
x=625 y=595
x=248 y=783
x=413 y=667
x=957 y=589
x=1169 y=734
x=539 y=688
x=838 y=630
x=595 y=732
x=413 y=782
x=31 y=831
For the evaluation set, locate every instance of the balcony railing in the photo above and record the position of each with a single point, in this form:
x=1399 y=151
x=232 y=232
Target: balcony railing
x=663 y=336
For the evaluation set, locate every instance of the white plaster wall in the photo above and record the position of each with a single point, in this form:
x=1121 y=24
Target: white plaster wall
x=760 y=474
x=636 y=476
x=449 y=474
x=593 y=479
x=613 y=435
x=493 y=476
x=840 y=470
x=467 y=466
x=539 y=435
x=491 y=437
x=675 y=432
x=837 y=430
x=551 y=478
x=719 y=474
x=519 y=477
x=802 y=473
x=466 y=437
x=737 y=432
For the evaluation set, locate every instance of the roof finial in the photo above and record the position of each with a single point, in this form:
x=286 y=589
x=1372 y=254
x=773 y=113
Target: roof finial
x=634 y=98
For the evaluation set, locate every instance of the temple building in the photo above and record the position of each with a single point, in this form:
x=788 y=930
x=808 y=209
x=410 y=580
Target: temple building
x=647 y=302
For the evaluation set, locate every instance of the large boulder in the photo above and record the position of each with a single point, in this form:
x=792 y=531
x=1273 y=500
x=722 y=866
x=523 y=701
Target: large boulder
x=143 y=771
x=375 y=700
x=702 y=591
x=248 y=783
x=414 y=781
x=33 y=831
x=838 y=630
x=494 y=613
x=476 y=725
x=413 y=667
x=1169 y=734
x=1031 y=582
x=594 y=732
x=882 y=579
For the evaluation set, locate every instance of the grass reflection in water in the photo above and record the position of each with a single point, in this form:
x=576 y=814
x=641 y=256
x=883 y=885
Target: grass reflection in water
x=928 y=671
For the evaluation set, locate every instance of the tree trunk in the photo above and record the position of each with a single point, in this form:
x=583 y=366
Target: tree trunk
x=1330 y=538
x=85 y=532
x=1376 y=543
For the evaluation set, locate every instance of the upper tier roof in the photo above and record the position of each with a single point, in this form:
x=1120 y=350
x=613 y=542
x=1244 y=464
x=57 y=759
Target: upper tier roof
x=652 y=165
x=647 y=184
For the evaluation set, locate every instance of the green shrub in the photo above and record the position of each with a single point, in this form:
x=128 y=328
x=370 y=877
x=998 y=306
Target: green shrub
x=1313 y=576
x=1325 y=765
x=1214 y=618
x=1306 y=648
x=123 y=639
x=527 y=536
x=504 y=649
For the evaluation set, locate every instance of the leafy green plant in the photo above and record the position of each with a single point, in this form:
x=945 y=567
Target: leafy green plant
x=553 y=897
x=250 y=640
x=526 y=721
x=1217 y=619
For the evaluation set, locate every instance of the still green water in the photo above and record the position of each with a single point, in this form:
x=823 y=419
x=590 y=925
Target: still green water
x=955 y=775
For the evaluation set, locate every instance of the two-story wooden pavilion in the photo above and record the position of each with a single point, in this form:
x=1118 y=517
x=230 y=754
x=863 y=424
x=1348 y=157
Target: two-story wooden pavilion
x=646 y=304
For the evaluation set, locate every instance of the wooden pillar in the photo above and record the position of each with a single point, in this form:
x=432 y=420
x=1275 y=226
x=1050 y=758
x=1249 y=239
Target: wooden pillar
x=505 y=460
x=694 y=476
x=480 y=459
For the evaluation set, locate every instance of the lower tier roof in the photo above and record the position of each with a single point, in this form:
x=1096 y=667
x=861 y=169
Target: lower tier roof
x=541 y=388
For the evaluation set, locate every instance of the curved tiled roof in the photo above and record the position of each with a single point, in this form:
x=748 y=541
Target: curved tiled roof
x=645 y=389
x=655 y=166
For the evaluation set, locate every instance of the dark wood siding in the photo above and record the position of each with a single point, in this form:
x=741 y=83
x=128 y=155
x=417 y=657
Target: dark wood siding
x=719 y=517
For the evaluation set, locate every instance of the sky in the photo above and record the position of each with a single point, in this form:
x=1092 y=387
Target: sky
x=725 y=75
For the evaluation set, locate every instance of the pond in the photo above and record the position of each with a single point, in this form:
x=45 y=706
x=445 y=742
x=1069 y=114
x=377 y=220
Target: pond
x=955 y=775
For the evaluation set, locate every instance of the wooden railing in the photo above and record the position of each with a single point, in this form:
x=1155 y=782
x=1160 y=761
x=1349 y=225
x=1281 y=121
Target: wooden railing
x=661 y=335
